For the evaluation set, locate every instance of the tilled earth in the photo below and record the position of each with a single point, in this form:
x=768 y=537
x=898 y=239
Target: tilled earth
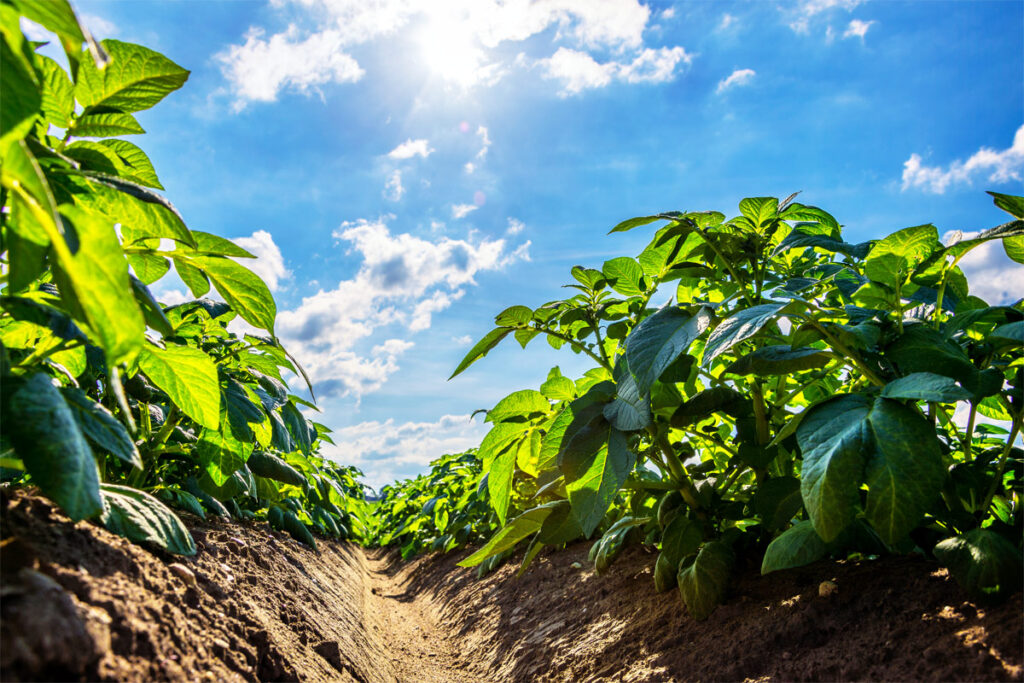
x=79 y=603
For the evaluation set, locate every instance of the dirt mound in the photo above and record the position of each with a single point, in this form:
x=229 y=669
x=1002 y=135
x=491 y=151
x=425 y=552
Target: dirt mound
x=81 y=603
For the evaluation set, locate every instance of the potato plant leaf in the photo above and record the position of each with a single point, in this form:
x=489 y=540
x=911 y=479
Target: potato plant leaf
x=776 y=501
x=189 y=377
x=795 y=547
x=480 y=349
x=142 y=518
x=926 y=386
x=983 y=562
x=682 y=537
x=518 y=404
x=779 y=359
x=516 y=530
x=703 y=582
x=45 y=435
x=597 y=478
x=100 y=426
x=248 y=295
x=738 y=327
x=137 y=78
x=661 y=338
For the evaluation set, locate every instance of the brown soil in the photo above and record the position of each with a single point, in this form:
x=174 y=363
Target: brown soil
x=79 y=603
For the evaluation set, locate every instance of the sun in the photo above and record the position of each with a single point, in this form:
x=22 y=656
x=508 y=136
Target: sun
x=450 y=50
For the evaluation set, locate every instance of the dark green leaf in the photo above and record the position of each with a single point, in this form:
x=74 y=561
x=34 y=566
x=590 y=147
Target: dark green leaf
x=661 y=338
x=983 y=562
x=779 y=360
x=797 y=546
x=682 y=538
x=630 y=411
x=738 y=327
x=597 y=479
x=926 y=386
x=776 y=501
x=45 y=435
x=142 y=518
x=560 y=526
x=704 y=582
x=100 y=426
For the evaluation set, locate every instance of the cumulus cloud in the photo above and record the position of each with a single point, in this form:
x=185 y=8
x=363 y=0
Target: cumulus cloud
x=269 y=263
x=578 y=71
x=411 y=148
x=458 y=38
x=857 y=29
x=464 y=340
x=393 y=190
x=261 y=68
x=990 y=272
x=386 y=451
x=996 y=166
x=515 y=226
x=401 y=281
x=463 y=210
x=737 y=78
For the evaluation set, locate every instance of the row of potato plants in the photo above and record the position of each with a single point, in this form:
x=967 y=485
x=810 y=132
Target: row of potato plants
x=113 y=405
x=797 y=397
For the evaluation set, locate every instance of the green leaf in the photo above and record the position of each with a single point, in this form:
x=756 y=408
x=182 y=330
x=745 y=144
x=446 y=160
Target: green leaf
x=137 y=78
x=892 y=259
x=519 y=528
x=798 y=238
x=904 y=470
x=140 y=220
x=558 y=388
x=631 y=223
x=661 y=338
x=100 y=427
x=923 y=349
x=983 y=562
x=704 y=403
x=593 y=482
x=1009 y=203
x=53 y=15
x=926 y=386
x=248 y=295
x=139 y=168
x=105 y=124
x=194 y=279
x=682 y=537
x=20 y=85
x=514 y=316
x=221 y=455
x=629 y=411
x=141 y=518
x=776 y=501
x=1009 y=335
x=269 y=466
x=45 y=435
x=519 y=404
x=297 y=427
x=560 y=526
x=213 y=245
x=188 y=376
x=480 y=349
x=1014 y=247
x=738 y=327
x=779 y=360
x=835 y=446
x=95 y=287
x=759 y=210
x=799 y=545
x=624 y=275
x=149 y=267
x=58 y=102
x=703 y=583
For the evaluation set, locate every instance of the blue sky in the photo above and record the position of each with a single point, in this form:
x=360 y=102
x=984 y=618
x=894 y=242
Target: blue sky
x=406 y=169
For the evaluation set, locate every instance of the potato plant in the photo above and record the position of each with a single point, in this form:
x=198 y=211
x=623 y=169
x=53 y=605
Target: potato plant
x=111 y=402
x=794 y=399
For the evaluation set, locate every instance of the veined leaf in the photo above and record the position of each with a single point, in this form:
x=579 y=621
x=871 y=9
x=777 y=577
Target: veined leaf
x=682 y=537
x=45 y=435
x=222 y=455
x=624 y=275
x=597 y=479
x=795 y=547
x=1009 y=203
x=100 y=427
x=58 y=102
x=661 y=338
x=138 y=166
x=519 y=528
x=189 y=377
x=21 y=86
x=703 y=583
x=139 y=219
x=738 y=327
x=214 y=245
x=560 y=526
x=759 y=210
x=105 y=124
x=891 y=260
x=248 y=295
x=983 y=562
x=142 y=518
x=779 y=360
x=630 y=411
x=926 y=386
x=137 y=78
x=519 y=404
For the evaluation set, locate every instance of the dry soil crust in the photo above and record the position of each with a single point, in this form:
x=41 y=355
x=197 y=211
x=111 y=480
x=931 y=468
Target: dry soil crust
x=79 y=603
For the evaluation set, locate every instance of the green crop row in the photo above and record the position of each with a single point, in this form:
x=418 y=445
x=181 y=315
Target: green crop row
x=113 y=405
x=794 y=400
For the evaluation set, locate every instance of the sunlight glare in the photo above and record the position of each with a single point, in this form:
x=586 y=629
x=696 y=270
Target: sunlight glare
x=450 y=50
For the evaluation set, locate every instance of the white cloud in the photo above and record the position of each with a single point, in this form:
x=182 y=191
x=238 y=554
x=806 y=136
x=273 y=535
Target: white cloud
x=393 y=190
x=463 y=210
x=737 y=78
x=485 y=142
x=469 y=167
x=515 y=226
x=578 y=71
x=804 y=12
x=456 y=38
x=401 y=280
x=386 y=451
x=98 y=26
x=999 y=166
x=269 y=263
x=990 y=272
x=668 y=13
x=260 y=69
x=857 y=29
x=464 y=340
x=727 y=21
x=411 y=148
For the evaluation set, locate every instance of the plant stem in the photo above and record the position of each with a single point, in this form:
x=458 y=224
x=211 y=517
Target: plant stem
x=997 y=479
x=575 y=344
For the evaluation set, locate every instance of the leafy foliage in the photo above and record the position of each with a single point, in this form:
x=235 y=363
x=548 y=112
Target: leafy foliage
x=796 y=400
x=113 y=405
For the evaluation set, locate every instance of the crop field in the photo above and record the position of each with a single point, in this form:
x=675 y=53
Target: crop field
x=782 y=452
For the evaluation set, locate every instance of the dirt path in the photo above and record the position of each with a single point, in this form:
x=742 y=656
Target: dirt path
x=78 y=603
x=419 y=646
